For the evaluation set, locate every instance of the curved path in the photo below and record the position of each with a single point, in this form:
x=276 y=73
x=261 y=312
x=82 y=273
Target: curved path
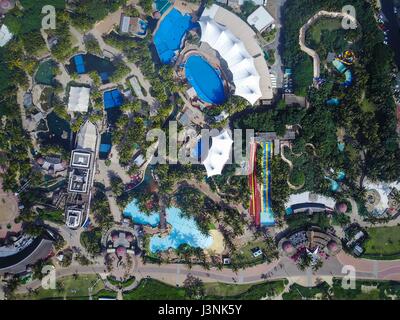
x=290 y=164
x=303 y=30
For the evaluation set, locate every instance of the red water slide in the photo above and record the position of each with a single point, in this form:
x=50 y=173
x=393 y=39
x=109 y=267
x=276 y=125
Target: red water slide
x=255 y=196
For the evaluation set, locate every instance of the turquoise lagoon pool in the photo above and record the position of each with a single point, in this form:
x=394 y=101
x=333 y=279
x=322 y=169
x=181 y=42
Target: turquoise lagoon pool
x=184 y=230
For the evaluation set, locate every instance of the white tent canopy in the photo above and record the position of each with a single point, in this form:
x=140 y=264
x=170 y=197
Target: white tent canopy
x=78 y=99
x=5 y=35
x=218 y=154
x=245 y=76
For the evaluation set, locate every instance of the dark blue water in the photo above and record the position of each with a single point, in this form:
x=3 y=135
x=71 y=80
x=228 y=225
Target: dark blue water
x=205 y=80
x=393 y=26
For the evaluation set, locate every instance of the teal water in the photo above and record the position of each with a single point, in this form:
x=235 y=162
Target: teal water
x=45 y=73
x=184 y=230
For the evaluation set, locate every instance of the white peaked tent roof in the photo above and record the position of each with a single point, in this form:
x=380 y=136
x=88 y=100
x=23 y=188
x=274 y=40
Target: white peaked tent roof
x=78 y=99
x=5 y=35
x=87 y=137
x=218 y=154
x=233 y=51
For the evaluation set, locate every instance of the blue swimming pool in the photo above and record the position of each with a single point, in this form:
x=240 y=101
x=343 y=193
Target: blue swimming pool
x=184 y=230
x=170 y=33
x=205 y=80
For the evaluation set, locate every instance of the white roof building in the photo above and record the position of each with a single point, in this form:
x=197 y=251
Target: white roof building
x=218 y=154
x=87 y=137
x=125 y=24
x=5 y=35
x=236 y=43
x=308 y=197
x=139 y=160
x=260 y=19
x=78 y=99
x=74 y=218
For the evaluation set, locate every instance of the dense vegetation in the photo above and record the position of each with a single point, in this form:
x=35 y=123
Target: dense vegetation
x=370 y=135
x=85 y=13
x=365 y=290
x=156 y=290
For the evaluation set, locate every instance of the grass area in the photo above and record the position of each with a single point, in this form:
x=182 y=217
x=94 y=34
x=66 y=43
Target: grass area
x=68 y=288
x=383 y=241
x=122 y=284
x=324 y=24
x=105 y=294
x=150 y=289
x=298 y=292
x=300 y=220
x=56 y=216
x=246 y=292
x=367 y=106
x=224 y=289
x=244 y=256
x=303 y=76
x=364 y=290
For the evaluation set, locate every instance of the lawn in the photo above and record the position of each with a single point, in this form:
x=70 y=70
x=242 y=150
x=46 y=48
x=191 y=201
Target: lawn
x=302 y=76
x=150 y=289
x=72 y=289
x=244 y=256
x=383 y=241
x=298 y=292
x=324 y=24
x=224 y=289
x=105 y=294
x=122 y=284
x=245 y=292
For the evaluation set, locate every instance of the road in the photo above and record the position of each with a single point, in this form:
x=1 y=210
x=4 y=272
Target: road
x=276 y=69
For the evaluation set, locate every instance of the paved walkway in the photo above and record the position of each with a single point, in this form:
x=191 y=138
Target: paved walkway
x=284 y=268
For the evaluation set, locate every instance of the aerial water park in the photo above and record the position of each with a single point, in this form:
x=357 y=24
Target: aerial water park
x=342 y=64
x=336 y=181
x=260 y=199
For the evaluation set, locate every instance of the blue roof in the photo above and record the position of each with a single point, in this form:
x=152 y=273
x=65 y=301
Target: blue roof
x=113 y=99
x=79 y=63
x=105 y=148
